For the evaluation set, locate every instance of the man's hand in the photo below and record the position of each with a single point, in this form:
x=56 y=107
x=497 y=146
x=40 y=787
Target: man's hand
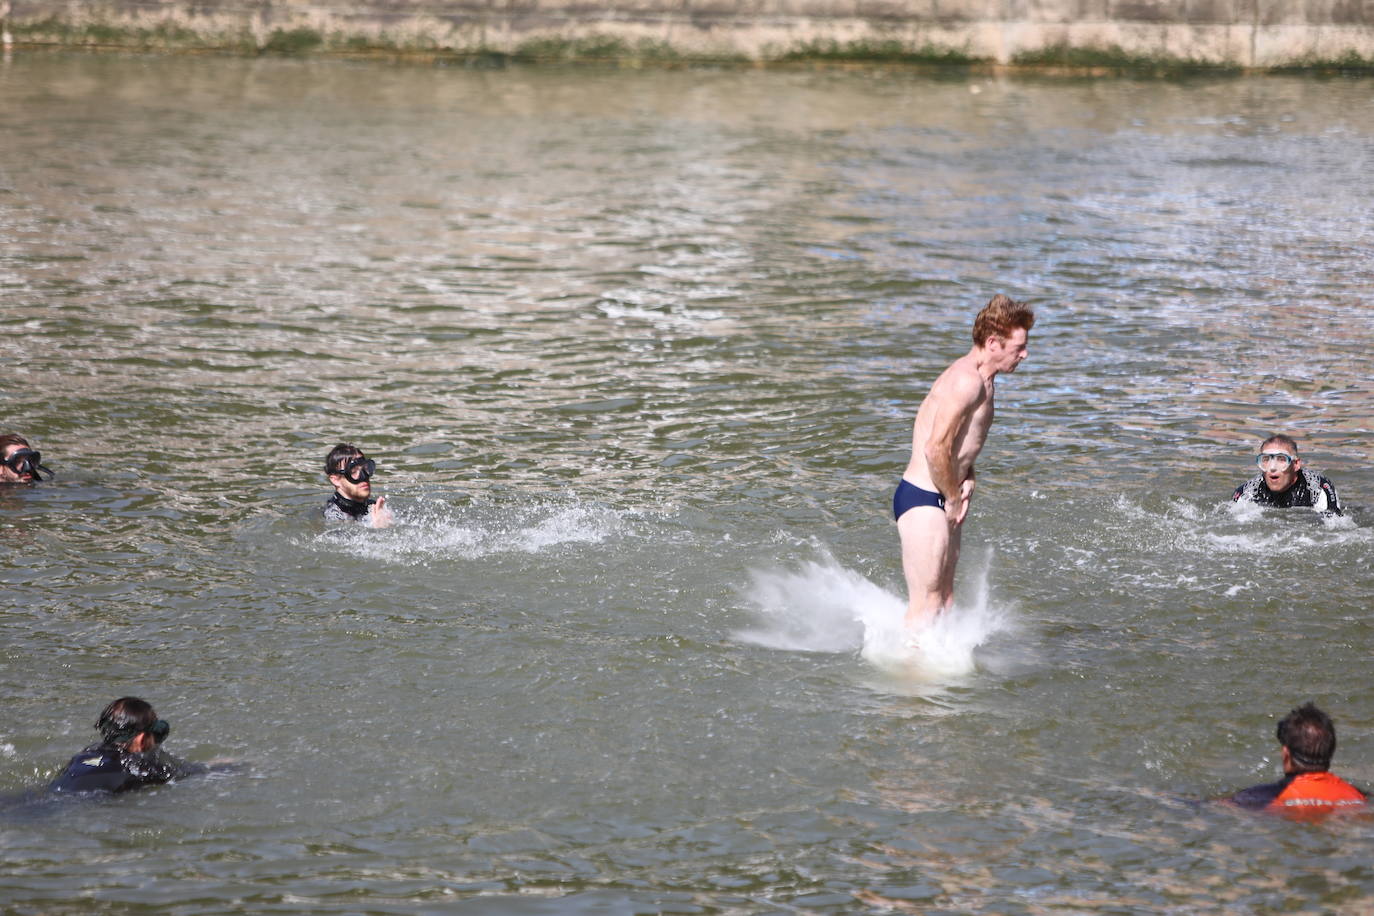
x=379 y=515
x=957 y=509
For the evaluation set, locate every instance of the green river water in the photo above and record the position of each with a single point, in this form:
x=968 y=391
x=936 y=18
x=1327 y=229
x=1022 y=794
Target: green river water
x=637 y=354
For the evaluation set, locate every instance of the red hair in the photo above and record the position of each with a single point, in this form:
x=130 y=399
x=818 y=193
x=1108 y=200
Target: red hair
x=999 y=317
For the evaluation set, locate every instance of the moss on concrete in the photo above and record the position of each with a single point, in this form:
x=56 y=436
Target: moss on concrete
x=1113 y=58
x=1349 y=63
x=178 y=35
x=598 y=48
x=164 y=35
x=292 y=41
x=884 y=51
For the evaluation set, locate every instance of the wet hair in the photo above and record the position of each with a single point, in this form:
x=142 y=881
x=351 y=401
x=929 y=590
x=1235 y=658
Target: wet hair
x=1310 y=736
x=1280 y=439
x=9 y=439
x=127 y=718
x=999 y=317
x=338 y=456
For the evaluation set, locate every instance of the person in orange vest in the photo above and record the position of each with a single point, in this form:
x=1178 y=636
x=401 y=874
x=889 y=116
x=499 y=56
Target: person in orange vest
x=1308 y=737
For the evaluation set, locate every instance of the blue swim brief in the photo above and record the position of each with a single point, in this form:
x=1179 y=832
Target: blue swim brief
x=909 y=496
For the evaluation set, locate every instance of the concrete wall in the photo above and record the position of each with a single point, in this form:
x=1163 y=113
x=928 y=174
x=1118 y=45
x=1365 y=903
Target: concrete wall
x=1246 y=33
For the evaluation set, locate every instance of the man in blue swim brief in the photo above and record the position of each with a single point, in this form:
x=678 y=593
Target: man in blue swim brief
x=932 y=498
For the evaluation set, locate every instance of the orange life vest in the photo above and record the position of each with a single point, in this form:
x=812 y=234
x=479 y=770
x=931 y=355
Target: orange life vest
x=1317 y=792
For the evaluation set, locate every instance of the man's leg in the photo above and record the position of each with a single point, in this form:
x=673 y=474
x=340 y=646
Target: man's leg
x=925 y=535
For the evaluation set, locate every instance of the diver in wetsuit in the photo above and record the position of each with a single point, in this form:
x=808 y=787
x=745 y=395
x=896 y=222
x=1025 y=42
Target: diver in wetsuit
x=1308 y=737
x=1284 y=483
x=350 y=471
x=129 y=754
x=20 y=463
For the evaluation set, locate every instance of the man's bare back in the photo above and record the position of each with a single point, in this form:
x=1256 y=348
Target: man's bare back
x=951 y=427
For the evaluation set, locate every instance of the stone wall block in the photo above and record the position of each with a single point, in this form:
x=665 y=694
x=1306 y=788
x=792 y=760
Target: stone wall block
x=1148 y=11
x=1214 y=12
x=1247 y=32
x=1352 y=12
x=893 y=10
x=1084 y=11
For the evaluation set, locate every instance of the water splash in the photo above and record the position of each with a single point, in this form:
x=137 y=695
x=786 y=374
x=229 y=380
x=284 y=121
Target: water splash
x=429 y=531
x=823 y=607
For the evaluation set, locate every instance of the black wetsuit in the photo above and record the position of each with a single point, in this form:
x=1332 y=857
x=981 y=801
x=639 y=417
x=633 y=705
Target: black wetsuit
x=339 y=508
x=1310 y=490
x=110 y=768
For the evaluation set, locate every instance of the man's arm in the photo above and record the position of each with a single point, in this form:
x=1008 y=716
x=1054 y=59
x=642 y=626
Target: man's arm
x=955 y=407
x=1333 y=502
x=1257 y=797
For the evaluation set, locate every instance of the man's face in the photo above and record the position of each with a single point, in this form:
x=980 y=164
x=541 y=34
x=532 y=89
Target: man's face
x=1007 y=352
x=6 y=473
x=1280 y=466
x=358 y=491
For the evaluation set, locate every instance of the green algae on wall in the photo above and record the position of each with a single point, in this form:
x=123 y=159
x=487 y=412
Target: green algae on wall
x=879 y=51
x=1115 y=59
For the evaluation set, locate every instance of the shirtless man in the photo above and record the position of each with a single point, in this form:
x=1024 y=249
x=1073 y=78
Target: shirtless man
x=952 y=423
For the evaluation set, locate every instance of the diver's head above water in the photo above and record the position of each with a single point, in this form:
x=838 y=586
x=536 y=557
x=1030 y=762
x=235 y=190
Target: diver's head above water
x=1279 y=462
x=19 y=463
x=131 y=724
x=350 y=471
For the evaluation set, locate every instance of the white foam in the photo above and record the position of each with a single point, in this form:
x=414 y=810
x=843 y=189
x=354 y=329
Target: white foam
x=429 y=532
x=816 y=608
x=823 y=607
x=943 y=648
x=576 y=524
x=1242 y=528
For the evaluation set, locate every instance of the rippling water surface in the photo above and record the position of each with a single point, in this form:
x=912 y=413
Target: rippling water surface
x=637 y=354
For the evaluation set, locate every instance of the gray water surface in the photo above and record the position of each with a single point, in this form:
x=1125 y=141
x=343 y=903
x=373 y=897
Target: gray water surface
x=637 y=354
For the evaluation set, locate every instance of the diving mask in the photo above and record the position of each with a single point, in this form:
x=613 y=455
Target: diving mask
x=356 y=470
x=1280 y=459
x=27 y=461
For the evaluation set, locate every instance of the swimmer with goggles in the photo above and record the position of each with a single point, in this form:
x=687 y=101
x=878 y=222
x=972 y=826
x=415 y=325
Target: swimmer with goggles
x=20 y=463
x=350 y=471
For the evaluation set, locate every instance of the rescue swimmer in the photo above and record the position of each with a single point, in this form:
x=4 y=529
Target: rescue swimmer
x=350 y=471
x=1283 y=483
x=1308 y=788
x=129 y=754
x=20 y=462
